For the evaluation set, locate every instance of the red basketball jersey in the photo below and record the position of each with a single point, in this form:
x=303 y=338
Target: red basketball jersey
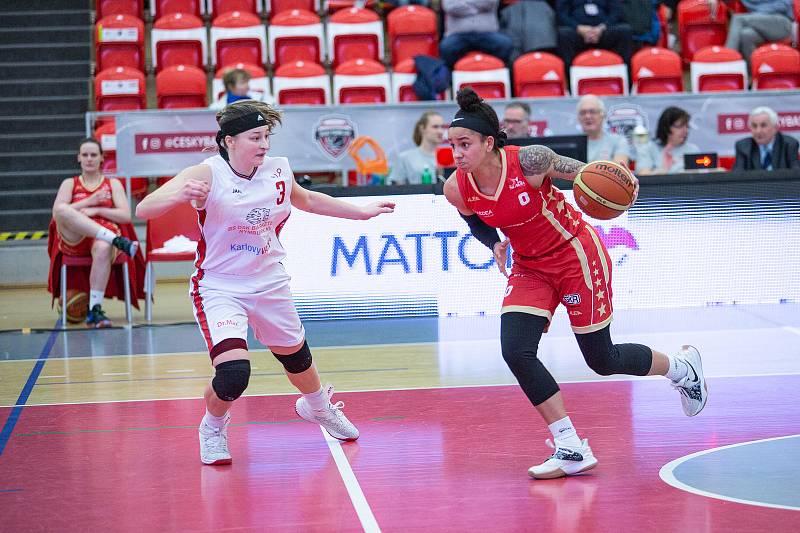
x=80 y=192
x=536 y=221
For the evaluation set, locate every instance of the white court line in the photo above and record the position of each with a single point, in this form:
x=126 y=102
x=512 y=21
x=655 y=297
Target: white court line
x=796 y=331
x=360 y=504
x=179 y=370
x=116 y=373
x=430 y=387
x=51 y=377
x=667 y=474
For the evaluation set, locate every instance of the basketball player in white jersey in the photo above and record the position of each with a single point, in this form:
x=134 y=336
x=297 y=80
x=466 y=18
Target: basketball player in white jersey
x=243 y=198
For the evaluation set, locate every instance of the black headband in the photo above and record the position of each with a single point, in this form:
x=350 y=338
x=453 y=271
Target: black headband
x=243 y=123
x=237 y=126
x=476 y=122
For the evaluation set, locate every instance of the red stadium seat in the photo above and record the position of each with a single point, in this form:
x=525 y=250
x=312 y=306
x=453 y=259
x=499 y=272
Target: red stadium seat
x=775 y=66
x=179 y=39
x=403 y=77
x=181 y=220
x=106 y=8
x=361 y=81
x=403 y=80
x=538 y=74
x=698 y=29
x=279 y=6
x=161 y=8
x=259 y=82
x=355 y=34
x=599 y=72
x=296 y=35
x=413 y=30
x=181 y=86
x=656 y=70
x=119 y=42
x=332 y=6
x=218 y=7
x=238 y=37
x=486 y=74
x=120 y=89
x=301 y=83
x=716 y=68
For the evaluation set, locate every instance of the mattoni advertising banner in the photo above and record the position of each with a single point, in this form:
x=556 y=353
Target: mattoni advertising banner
x=421 y=260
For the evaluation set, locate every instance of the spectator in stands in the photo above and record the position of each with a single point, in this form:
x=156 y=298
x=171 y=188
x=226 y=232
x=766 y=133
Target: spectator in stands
x=665 y=154
x=531 y=25
x=643 y=18
x=413 y=164
x=584 y=24
x=472 y=25
x=601 y=145
x=426 y=3
x=237 y=87
x=764 y=22
x=89 y=210
x=768 y=148
x=516 y=120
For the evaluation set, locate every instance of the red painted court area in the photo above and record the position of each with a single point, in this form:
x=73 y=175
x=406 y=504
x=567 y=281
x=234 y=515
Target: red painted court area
x=427 y=460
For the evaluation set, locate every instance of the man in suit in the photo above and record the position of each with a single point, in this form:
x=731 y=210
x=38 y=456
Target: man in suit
x=768 y=148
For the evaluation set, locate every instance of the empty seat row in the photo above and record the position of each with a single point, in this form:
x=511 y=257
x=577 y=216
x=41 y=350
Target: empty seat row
x=240 y=37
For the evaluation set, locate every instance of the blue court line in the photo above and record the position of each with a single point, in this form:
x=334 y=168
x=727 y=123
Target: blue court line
x=16 y=411
x=10 y=490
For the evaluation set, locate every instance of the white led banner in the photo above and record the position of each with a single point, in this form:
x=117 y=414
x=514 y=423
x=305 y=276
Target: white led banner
x=421 y=260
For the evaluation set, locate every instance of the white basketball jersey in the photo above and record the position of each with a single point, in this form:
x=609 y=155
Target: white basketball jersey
x=242 y=218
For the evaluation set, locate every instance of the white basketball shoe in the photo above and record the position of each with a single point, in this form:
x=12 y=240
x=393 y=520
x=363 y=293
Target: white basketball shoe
x=330 y=417
x=214 y=444
x=566 y=461
x=692 y=387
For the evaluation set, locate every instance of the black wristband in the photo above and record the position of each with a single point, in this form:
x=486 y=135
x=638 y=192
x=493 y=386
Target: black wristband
x=481 y=230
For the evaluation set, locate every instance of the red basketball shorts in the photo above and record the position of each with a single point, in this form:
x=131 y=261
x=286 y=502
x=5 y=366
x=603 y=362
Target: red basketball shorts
x=578 y=275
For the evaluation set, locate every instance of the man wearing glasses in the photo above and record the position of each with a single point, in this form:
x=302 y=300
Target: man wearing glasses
x=600 y=145
x=516 y=120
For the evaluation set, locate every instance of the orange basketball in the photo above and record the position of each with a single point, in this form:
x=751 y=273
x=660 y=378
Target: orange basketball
x=603 y=189
x=77 y=306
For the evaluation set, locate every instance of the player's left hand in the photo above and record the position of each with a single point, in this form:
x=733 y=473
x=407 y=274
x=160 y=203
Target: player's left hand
x=500 y=251
x=377 y=208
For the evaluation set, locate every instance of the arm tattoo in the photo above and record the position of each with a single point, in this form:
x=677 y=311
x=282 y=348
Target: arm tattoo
x=566 y=166
x=537 y=160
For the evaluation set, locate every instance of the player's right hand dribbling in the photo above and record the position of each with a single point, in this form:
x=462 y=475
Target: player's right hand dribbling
x=195 y=192
x=500 y=251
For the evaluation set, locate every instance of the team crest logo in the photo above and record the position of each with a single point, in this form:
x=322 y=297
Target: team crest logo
x=257 y=215
x=621 y=119
x=334 y=133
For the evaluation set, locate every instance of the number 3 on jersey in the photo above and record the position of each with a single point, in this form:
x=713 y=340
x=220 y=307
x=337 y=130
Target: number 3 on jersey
x=524 y=198
x=281 y=186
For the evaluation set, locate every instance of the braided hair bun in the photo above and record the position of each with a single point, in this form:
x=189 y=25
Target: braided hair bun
x=468 y=100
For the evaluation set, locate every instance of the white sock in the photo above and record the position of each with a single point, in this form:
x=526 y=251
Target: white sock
x=564 y=432
x=677 y=369
x=96 y=298
x=317 y=400
x=214 y=421
x=105 y=235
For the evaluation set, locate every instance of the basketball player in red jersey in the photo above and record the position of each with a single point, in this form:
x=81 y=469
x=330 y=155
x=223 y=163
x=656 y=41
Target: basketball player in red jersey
x=88 y=210
x=243 y=199
x=558 y=258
